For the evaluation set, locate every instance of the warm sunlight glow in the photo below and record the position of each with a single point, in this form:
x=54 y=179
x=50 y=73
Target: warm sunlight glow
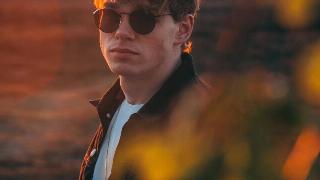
x=98 y=3
x=188 y=47
x=31 y=49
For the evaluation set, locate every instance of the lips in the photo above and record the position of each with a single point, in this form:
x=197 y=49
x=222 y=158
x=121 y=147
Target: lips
x=123 y=51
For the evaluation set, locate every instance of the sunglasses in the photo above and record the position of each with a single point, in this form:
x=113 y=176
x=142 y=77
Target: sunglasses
x=141 y=21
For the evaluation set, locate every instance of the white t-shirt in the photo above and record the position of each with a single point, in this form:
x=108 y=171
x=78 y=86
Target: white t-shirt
x=102 y=170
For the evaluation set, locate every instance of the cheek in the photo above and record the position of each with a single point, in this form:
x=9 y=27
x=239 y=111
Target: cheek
x=104 y=44
x=161 y=44
x=103 y=39
x=155 y=49
x=166 y=39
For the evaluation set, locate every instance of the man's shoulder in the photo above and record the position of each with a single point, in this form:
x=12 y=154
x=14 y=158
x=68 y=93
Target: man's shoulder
x=201 y=86
x=201 y=83
x=194 y=97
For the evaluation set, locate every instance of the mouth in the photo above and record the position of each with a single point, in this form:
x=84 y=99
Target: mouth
x=123 y=51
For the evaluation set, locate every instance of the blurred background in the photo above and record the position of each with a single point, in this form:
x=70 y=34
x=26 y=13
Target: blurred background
x=261 y=120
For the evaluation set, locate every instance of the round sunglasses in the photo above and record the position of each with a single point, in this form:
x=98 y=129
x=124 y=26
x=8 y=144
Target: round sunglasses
x=141 y=21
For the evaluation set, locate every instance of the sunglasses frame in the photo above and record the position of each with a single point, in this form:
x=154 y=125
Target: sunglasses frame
x=133 y=24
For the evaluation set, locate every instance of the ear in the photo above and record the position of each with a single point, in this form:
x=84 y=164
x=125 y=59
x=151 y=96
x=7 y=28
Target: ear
x=185 y=30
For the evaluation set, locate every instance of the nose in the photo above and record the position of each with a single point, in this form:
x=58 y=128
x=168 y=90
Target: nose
x=124 y=30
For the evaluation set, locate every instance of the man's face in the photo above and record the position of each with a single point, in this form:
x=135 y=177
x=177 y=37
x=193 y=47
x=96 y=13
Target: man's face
x=131 y=54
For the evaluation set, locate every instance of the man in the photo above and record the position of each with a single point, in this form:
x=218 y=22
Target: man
x=144 y=43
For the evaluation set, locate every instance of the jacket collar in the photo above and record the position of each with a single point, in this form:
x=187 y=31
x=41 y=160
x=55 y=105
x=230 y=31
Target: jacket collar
x=181 y=78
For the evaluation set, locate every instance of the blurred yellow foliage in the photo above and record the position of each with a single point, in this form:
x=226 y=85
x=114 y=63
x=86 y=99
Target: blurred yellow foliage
x=303 y=154
x=238 y=155
x=309 y=74
x=295 y=13
x=156 y=156
x=237 y=159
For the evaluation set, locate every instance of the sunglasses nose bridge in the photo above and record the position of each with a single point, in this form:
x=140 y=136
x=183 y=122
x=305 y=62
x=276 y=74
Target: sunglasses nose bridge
x=122 y=16
x=124 y=29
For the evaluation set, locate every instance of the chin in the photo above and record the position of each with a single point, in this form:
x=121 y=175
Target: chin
x=122 y=71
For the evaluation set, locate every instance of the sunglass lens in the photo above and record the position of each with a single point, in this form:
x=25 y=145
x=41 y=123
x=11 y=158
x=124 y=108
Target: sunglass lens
x=107 y=20
x=142 y=22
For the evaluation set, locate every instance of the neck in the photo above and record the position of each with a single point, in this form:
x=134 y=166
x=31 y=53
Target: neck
x=140 y=89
